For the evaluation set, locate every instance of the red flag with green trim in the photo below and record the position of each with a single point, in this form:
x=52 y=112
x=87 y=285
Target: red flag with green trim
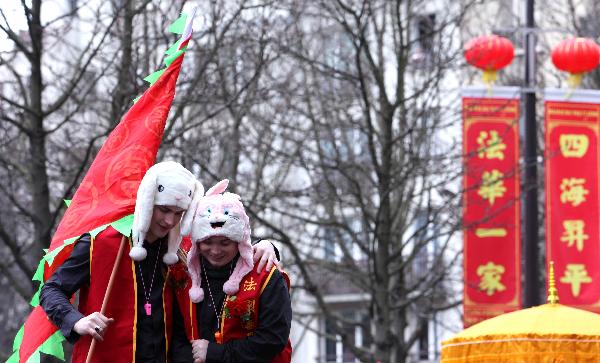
x=107 y=194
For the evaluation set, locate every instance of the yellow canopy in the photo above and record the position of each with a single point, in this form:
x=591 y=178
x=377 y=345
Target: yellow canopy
x=547 y=333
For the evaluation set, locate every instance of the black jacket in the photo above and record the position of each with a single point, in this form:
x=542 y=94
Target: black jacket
x=270 y=337
x=75 y=273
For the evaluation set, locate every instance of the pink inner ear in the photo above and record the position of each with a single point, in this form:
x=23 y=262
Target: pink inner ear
x=218 y=188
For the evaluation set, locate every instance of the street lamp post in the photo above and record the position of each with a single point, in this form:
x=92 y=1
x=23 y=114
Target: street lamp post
x=530 y=217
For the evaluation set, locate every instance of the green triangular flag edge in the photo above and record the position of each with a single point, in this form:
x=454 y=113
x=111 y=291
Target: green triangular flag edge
x=18 y=339
x=171 y=58
x=52 y=346
x=123 y=225
x=178 y=26
x=14 y=358
x=153 y=77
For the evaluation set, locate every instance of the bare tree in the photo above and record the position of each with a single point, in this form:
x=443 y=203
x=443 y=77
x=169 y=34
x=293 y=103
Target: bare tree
x=41 y=102
x=57 y=86
x=330 y=118
x=67 y=80
x=361 y=165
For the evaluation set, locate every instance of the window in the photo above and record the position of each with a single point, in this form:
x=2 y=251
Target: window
x=337 y=241
x=72 y=5
x=420 y=265
x=330 y=343
x=423 y=49
x=350 y=331
x=425 y=32
x=343 y=151
x=335 y=350
x=424 y=340
x=329 y=244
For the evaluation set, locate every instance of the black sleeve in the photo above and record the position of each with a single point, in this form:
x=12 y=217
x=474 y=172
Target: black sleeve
x=275 y=248
x=181 y=348
x=66 y=280
x=271 y=335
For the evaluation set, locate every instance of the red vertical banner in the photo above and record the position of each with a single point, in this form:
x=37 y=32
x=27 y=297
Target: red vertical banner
x=491 y=206
x=572 y=195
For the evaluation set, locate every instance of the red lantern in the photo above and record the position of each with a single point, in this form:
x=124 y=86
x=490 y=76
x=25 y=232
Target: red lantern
x=489 y=53
x=576 y=56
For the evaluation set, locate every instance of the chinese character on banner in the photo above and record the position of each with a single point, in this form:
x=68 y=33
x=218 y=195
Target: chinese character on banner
x=491 y=213
x=492 y=186
x=573 y=146
x=573 y=191
x=575 y=275
x=490 y=278
x=572 y=195
x=490 y=145
x=573 y=234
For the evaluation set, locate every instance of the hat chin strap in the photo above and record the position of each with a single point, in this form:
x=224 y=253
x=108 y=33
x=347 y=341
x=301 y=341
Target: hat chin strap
x=244 y=265
x=171 y=258
x=138 y=253
x=196 y=293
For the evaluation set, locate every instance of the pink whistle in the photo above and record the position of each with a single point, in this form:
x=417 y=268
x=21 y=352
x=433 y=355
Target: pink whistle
x=148 y=308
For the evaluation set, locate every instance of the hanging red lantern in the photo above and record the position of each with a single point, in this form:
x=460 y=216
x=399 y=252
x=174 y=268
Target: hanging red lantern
x=576 y=56
x=489 y=53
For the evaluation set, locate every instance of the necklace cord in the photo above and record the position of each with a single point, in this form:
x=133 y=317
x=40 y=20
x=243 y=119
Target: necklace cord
x=147 y=294
x=217 y=313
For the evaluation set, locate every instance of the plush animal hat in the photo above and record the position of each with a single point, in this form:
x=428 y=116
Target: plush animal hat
x=166 y=183
x=218 y=214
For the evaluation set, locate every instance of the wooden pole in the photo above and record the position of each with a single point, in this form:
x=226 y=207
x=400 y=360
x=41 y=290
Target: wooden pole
x=111 y=282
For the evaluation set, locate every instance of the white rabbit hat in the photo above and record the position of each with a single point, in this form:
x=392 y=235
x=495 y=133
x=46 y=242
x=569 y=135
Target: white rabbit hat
x=166 y=183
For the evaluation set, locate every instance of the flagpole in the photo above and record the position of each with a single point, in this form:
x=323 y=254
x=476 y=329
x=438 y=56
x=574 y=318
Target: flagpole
x=111 y=282
x=187 y=33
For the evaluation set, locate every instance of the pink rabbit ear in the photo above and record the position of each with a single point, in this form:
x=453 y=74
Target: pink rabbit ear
x=218 y=188
x=193 y=261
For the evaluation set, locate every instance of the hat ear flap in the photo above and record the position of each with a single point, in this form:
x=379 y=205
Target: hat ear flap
x=188 y=216
x=244 y=265
x=171 y=258
x=142 y=215
x=193 y=263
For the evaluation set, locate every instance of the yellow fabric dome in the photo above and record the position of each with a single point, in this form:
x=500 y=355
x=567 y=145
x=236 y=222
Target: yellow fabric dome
x=547 y=333
x=543 y=319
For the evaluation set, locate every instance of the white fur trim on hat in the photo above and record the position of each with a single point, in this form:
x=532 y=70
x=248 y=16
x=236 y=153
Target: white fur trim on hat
x=220 y=215
x=167 y=183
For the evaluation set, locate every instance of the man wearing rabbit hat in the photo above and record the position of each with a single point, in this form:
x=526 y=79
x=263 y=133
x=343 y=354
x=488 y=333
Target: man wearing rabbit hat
x=139 y=313
x=242 y=314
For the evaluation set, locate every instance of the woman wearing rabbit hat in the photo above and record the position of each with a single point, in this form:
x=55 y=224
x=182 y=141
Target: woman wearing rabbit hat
x=242 y=314
x=138 y=317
